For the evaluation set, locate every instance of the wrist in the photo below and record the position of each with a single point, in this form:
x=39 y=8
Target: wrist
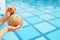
x=3 y=19
x=8 y=28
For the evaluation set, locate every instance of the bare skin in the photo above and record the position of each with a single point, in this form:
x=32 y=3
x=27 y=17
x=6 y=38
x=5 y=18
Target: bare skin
x=8 y=28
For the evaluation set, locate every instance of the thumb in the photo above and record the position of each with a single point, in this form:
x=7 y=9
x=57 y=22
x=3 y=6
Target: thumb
x=8 y=14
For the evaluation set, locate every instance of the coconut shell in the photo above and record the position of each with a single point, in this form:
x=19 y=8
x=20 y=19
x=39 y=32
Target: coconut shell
x=15 y=20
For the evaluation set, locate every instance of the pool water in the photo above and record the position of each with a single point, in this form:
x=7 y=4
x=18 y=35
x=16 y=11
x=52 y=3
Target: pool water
x=41 y=20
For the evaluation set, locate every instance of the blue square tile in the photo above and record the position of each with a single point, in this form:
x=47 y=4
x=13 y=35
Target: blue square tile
x=31 y=9
x=41 y=38
x=57 y=9
x=27 y=7
x=55 y=35
x=44 y=27
x=24 y=13
x=56 y=14
x=48 y=9
x=25 y=23
x=46 y=17
x=36 y=12
x=28 y=33
x=33 y=19
x=10 y=36
x=24 y=6
x=55 y=22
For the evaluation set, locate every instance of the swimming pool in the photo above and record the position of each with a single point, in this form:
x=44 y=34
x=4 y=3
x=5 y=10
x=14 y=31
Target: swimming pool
x=41 y=20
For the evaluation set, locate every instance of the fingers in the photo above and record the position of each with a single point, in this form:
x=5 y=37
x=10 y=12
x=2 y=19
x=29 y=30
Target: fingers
x=15 y=27
x=10 y=10
x=11 y=28
x=18 y=27
x=7 y=14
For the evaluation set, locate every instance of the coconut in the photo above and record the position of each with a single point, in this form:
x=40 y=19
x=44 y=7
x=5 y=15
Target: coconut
x=15 y=20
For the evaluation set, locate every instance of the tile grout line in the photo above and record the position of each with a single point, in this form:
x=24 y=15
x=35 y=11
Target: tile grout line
x=37 y=30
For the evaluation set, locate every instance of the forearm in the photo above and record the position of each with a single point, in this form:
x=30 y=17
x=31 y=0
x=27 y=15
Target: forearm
x=6 y=16
x=2 y=32
x=0 y=39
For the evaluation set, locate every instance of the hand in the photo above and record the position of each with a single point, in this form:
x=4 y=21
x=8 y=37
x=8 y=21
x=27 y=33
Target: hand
x=10 y=10
x=13 y=29
x=3 y=19
x=7 y=14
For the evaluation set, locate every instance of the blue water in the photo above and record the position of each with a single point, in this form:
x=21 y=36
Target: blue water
x=41 y=20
